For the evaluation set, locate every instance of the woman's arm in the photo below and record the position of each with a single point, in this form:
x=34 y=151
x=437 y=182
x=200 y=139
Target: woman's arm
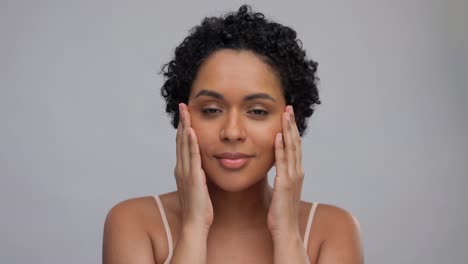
x=342 y=244
x=287 y=188
x=196 y=207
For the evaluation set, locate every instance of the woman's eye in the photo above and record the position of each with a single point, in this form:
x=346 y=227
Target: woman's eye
x=210 y=110
x=259 y=112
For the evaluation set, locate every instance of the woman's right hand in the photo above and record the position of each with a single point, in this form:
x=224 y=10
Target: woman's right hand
x=195 y=202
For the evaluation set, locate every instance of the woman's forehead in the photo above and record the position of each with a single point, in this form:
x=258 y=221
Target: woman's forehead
x=233 y=72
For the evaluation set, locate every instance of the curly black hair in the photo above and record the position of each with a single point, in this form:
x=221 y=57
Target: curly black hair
x=244 y=30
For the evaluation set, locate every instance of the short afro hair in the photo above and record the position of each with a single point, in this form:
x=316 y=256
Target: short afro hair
x=244 y=30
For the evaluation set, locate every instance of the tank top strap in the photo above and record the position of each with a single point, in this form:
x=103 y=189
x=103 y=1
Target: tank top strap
x=166 y=228
x=309 y=224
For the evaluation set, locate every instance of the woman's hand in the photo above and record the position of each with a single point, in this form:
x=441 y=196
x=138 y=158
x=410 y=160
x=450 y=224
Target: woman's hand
x=284 y=206
x=195 y=203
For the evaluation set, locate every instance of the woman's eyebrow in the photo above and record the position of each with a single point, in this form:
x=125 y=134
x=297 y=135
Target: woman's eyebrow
x=259 y=96
x=246 y=98
x=210 y=93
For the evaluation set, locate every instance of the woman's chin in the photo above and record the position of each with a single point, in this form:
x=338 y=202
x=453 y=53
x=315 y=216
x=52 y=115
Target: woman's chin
x=231 y=184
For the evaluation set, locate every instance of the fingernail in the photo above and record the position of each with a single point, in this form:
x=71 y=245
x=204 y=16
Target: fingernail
x=287 y=116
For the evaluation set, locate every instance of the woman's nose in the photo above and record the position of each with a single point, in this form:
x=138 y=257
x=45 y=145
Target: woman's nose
x=232 y=130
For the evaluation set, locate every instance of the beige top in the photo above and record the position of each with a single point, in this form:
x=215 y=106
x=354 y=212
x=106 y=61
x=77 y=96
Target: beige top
x=169 y=236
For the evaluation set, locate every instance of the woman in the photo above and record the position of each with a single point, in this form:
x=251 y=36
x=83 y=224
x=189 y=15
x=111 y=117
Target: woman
x=239 y=91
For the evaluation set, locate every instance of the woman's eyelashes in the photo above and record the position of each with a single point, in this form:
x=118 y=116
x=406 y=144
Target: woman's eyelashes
x=210 y=111
x=259 y=112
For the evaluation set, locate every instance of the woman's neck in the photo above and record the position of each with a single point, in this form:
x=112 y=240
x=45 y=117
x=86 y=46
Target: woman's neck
x=244 y=209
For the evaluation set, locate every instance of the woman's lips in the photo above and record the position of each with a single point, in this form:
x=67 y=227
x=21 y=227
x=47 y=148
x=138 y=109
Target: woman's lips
x=233 y=163
x=233 y=160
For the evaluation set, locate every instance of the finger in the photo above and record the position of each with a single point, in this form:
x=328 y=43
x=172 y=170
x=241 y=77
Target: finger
x=293 y=119
x=289 y=145
x=280 y=159
x=297 y=141
x=187 y=126
x=185 y=144
x=298 y=153
x=195 y=159
x=188 y=121
x=178 y=168
x=178 y=171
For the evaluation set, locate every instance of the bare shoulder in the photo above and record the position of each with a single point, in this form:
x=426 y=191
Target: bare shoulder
x=133 y=232
x=340 y=235
x=336 y=217
x=130 y=209
x=141 y=210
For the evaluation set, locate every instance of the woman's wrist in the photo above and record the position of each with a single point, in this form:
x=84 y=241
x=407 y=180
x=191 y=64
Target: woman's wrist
x=285 y=234
x=195 y=231
x=280 y=237
x=289 y=248
x=191 y=246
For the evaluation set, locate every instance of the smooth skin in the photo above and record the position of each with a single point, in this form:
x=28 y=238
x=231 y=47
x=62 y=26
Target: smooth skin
x=225 y=216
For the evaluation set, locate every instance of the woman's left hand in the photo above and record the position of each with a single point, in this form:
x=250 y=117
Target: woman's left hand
x=284 y=207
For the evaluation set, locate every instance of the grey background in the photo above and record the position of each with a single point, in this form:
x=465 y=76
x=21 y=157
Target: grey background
x=83 y=126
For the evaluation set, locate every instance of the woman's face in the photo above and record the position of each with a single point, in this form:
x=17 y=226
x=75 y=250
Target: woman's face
x=236 y=103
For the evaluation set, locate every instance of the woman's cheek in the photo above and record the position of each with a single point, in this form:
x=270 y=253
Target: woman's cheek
x=264 y=135
x=201 y=134
x=271 y=127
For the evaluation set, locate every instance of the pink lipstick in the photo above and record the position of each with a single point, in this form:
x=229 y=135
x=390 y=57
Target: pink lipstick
x=233 y=160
